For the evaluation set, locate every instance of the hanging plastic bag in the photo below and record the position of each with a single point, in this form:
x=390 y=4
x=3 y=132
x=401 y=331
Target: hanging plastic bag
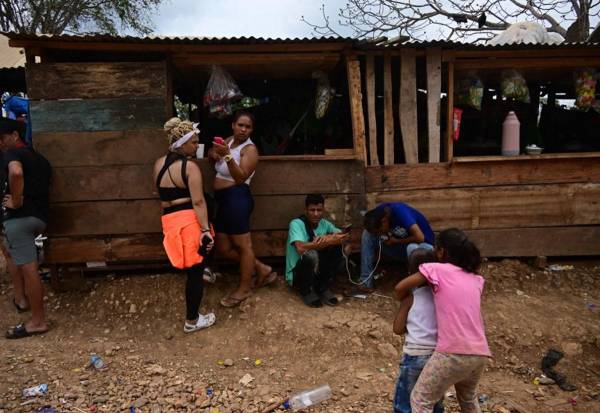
x=469 y=91
x=221 y=91
x=585 y=87
x=324 y=93
x=514 y=85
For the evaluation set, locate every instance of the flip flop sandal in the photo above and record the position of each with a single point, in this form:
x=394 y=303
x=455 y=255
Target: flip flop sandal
x=312 y=300
x=230 y=302
x=268 y=280
x=328 y=298
x=204 y=321
x=19 y=308
x=19 y=331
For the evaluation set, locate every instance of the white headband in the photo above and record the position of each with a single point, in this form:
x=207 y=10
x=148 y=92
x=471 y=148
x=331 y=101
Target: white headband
x=181 y=141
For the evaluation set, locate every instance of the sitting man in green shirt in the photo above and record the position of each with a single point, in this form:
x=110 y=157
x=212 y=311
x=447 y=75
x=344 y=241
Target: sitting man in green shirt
x=314 y=254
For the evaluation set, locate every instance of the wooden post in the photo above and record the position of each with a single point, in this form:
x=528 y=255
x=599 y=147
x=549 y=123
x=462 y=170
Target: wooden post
x=356 y=107
x=370 y=83
x=434 y=88
x=408 y=106
x=169 y=98
x=388 y=112
x=450 y=114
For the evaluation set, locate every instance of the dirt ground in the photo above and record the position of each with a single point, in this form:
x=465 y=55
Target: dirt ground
x=276 y=346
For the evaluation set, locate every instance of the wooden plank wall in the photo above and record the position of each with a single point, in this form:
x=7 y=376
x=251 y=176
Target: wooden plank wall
x=101 y=129
x=400 y=129
x=512 y=207
x=82 y=223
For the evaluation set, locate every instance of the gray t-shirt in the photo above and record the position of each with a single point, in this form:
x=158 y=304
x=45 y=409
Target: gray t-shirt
x=421 y=324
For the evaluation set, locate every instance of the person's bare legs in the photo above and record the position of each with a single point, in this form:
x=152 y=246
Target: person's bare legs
x=243 y=244
x=17 y=280
x=227 y=247
x=35 y=293
x=18 y=283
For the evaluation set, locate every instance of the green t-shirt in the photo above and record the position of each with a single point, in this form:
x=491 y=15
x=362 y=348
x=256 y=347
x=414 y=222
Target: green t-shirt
x=297 y=232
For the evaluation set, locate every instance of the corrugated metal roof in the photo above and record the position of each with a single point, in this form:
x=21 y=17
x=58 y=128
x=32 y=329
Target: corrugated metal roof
x=379 y=43
x=175 y=40
x=448 y=44
x=10 y=57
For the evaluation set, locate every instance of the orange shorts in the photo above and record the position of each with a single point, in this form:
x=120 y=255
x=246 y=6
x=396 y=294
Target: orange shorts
x=182 y=238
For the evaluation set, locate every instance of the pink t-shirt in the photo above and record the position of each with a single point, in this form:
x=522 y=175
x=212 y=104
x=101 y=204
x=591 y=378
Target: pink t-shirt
x=457 y=298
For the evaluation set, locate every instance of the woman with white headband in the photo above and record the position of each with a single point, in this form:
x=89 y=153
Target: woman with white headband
x=188 y=235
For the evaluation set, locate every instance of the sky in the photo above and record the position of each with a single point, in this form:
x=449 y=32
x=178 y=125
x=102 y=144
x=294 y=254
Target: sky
x=233 y=18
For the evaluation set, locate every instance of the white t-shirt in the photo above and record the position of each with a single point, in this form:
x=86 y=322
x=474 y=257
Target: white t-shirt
x=421 y=324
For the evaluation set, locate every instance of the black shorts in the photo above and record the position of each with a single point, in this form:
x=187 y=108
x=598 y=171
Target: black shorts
x=234 y=207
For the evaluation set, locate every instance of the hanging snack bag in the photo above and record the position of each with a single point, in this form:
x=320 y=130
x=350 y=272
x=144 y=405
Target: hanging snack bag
x=469 y=91
x=220 y=92
x=514 y=85
x=324 y=93
x=585 y=87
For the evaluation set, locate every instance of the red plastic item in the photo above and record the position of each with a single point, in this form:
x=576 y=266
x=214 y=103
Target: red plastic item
x=456 y=120
x=219 y=140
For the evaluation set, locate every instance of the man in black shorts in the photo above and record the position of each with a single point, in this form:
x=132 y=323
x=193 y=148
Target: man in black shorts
x=25 y=214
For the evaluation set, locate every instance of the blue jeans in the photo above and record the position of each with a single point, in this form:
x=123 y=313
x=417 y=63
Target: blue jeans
x=369 y=250
x=410 y=369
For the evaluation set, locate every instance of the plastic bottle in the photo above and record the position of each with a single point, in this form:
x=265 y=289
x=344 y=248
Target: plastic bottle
x=308 y=398
x=98 y=363
x=511 y=129
x=35 y=390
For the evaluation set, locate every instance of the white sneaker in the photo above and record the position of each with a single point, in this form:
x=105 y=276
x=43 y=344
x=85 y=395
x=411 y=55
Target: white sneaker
x=204 y=321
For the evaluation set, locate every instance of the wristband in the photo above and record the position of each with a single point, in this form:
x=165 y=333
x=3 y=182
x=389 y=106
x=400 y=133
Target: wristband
x=204 y=231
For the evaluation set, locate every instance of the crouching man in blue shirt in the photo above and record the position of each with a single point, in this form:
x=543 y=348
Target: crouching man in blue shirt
x=398 y=229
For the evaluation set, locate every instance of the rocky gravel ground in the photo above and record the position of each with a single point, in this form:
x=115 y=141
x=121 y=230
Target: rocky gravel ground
x=273 y=346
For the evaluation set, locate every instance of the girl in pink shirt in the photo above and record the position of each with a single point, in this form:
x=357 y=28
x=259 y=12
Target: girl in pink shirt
x=462 y=352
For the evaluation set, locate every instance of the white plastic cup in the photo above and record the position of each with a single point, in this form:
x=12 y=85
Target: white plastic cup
x=200 y=151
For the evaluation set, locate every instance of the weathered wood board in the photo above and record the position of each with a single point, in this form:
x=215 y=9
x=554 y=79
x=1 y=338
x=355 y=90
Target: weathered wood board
x=371 y=110
x=526 y=242
x=388 y=112
x=434 y=88
x=272 y=212
x=408 y=106
x=102 y=149
x=97 y=114
x=356 y=108
x=503 y=206
x=96 y=80
x=131 y=182
x=509 y=172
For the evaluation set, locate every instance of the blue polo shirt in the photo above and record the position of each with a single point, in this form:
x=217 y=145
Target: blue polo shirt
x=403 y=216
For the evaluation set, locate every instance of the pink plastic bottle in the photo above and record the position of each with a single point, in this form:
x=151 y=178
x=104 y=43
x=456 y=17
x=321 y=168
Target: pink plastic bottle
x=511 y=135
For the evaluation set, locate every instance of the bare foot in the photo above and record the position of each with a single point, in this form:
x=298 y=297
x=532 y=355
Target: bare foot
x=266 y=276
x=36 y=328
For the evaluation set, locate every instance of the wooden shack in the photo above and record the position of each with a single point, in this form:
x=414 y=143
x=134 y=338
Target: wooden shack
x=98 y=106
x=526 y=205
x=99 y=102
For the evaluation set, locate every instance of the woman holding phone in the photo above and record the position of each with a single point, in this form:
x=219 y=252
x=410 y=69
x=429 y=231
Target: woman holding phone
x=236 y=159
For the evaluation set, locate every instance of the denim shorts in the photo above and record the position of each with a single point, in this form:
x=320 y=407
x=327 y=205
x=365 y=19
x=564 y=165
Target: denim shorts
x=410 y=370
x=234 y=207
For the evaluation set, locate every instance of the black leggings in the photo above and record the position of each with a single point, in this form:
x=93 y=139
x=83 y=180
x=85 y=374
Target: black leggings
x=194 y=289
